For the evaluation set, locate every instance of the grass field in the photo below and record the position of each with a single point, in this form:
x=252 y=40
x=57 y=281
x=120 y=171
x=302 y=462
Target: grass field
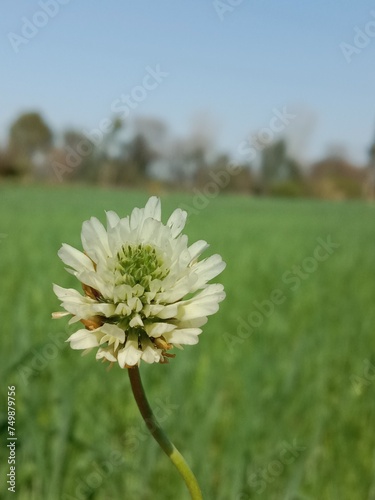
x=277 y=401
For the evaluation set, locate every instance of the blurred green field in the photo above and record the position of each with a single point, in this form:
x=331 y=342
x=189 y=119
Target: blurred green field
x=283 y=410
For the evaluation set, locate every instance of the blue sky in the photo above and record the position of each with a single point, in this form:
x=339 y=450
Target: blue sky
x=233 y=71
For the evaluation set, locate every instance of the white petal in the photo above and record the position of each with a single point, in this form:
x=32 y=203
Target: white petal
x=187 y=336
x=70 y=294
x=152 y=309
x=96 y=281
x=95 y=240
x=150 y=355
x=207 y=269
x=74 y=258
x=177 y=222
x=112 y=219
x=106 y=310
x=125 y=230
x=114 y=232
x=113 y=331
x=122 y=310
x=106 y=354
x=153 y=208
x=193 y=323
x=123 y=292
x=197 y=248
x=130 y=354
x=140 y=227
x=136 y=321
x=74 y=319
x=59 y=314
x=81 y=306
x=62 y=292
x=135 y=304
x=136 y=218
x=157 y=329
x=148 y=231
x=83 y=339
x=203 y=304
x=169 y=311
x=178 y=290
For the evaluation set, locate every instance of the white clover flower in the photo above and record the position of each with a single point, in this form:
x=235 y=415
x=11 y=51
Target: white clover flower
x=144 y=289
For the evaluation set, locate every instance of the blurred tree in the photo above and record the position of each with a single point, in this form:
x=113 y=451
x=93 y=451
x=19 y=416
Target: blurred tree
x=89 y=156
x=154 y=132
x=369 y=187
x=7 y=168
x=125 y=158
x=276 y=167
x=185 y=159
x=29 y=141
x=80 y=155
x=148 y=150
x=336 y=178
x=140 y=155
x=219 y=173
x=110 y=144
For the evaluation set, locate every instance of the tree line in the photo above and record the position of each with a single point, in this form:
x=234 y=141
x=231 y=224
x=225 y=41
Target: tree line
x=140 y=152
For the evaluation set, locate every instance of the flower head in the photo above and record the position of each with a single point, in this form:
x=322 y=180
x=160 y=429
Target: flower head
x=144 y=290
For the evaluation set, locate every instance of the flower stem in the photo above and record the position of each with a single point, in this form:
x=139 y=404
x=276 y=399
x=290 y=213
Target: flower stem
x=160 y=436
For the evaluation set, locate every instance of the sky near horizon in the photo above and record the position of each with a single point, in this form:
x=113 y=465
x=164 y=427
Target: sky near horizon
x=230 y=65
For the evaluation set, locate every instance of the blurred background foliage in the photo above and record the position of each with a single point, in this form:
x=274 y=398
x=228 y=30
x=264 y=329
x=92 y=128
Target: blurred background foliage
x=141 y=153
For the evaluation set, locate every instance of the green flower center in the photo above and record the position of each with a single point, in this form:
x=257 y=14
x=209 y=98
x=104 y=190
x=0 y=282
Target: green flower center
x=140 y=264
